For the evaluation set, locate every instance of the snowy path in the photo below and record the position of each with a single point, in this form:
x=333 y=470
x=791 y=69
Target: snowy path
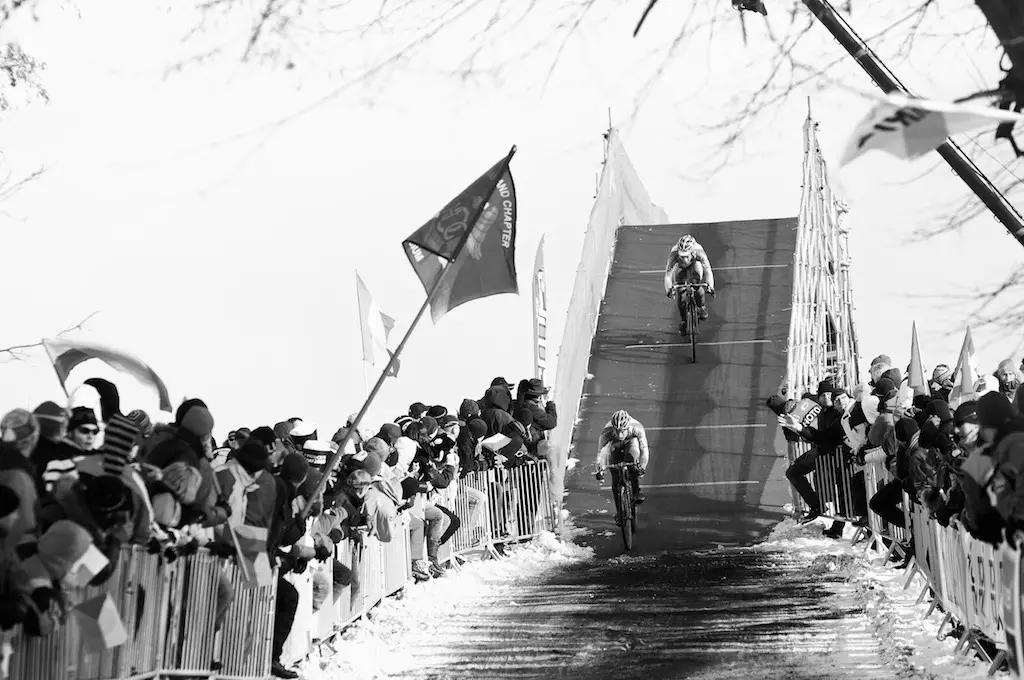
x=796 y=607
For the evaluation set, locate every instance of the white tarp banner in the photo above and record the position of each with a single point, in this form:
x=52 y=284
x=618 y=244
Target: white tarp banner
x=621 y=199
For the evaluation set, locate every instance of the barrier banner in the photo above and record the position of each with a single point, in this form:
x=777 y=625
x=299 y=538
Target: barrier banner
x=1010 y=589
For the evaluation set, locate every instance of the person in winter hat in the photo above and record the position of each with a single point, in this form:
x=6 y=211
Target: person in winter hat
x=503 y=386
x=417 y=410
x=1008 y=377
x=942 y=382
x=544 y=415
x=468 y=410
x=495 y=409
x=389 y=433
x=54 y=456
x=192 y=440
x=19 y=433
x=142 y=422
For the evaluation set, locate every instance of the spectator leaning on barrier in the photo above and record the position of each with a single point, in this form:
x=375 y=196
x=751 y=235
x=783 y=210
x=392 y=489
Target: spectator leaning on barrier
x=544 y=415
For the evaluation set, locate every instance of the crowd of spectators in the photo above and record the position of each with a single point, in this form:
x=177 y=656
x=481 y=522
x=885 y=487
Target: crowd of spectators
x=77 y=482
x=955 y=450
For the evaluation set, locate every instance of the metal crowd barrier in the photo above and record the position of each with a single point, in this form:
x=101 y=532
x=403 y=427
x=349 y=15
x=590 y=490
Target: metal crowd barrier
x=169 y=609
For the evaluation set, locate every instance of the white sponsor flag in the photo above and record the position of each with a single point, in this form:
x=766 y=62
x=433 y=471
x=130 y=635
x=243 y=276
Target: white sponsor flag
x=965 y=374
x=909 y=127
x=375 y=327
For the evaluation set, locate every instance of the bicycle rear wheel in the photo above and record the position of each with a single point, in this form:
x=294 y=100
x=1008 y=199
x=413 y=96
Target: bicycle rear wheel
x=626 y=510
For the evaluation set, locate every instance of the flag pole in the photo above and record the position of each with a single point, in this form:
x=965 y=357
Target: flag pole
x=335 y=458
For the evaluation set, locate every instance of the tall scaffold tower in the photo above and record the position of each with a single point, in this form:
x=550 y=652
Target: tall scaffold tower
x=822 y=332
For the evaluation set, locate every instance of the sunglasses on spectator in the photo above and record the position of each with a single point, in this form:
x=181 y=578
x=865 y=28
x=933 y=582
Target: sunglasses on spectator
x=87 y=429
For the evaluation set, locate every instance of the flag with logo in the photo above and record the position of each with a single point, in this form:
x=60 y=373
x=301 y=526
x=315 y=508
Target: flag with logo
x=909 y=127
x=375 y=329
x=965 y=374
x=67 y=353
x=915 y=374
x=468 y=249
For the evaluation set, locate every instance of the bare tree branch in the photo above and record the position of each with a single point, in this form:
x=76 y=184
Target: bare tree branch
x=18 y=352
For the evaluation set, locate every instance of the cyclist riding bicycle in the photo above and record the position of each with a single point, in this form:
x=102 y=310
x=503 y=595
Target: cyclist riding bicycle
x=622 y=440
x=688 y=263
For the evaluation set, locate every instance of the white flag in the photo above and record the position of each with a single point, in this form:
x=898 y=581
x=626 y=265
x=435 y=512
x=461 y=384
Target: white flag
x=908 y=127
x=375 y=328
x=965 y=374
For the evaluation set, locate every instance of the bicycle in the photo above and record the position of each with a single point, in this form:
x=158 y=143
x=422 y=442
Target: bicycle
x=689 y=312
x=623 y=491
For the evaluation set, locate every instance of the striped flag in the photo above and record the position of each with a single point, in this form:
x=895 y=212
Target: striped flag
x=67 y=353
x=375 y=329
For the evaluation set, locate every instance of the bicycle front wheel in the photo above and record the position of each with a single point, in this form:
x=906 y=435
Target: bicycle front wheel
x=692 y=311
x=626 y=510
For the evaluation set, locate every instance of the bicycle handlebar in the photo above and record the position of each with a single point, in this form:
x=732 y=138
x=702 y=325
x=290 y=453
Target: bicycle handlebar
x=622 y=465
x=679 y=286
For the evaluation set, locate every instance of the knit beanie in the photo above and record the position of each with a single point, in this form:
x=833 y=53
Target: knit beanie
x=82 y=415
x=389 y=432
x=118 y=442
x=429 y=424
x=264 y=435
x=437 y=411
x=906 y=428
x=417 y=410
x=966 y=412
x=294 y=468
x=375 y=446
x=468 y=410
x=253 y=456
x=403 y=421
x=283 y=430
x=53 y=420
x=184 y=408
x=372 y=464
x=940 y=409
x=183 y=481
x=994 y=410
x=110 y=400
x=198 y=421
x=942 y=373
x=478 y=428
x=881 y=359
x=142 y=422
x=20 y=429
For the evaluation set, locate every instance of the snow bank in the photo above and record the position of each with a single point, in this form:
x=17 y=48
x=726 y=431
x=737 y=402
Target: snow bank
x=906 y=638
x=373 y=647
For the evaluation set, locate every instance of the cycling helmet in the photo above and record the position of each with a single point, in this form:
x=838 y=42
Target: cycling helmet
x=686 y=244
x=620 y=420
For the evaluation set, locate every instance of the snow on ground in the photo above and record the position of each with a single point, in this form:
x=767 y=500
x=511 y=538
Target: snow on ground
x=373 y=647
x=908 y=639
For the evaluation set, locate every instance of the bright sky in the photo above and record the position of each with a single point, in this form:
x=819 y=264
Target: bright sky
x=221 y=249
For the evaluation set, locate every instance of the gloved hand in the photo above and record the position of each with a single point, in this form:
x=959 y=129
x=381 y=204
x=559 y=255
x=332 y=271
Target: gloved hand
x=668 y=293
x=154 y=547
x=599 y=475
x=189 y=548
x=322 y=553
x=640 y=472
x=711 y=291
x=300 y=566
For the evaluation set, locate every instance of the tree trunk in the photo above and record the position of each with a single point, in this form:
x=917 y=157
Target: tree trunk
x=1006 y=18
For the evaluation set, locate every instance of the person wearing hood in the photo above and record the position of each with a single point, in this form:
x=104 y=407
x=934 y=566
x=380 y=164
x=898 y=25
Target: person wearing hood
x=941 y=383
x=979 y=517
x=494 y=409
x=503 y=386
x=189 y=439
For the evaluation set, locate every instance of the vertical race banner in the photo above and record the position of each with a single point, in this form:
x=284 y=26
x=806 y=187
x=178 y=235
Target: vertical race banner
x=540 y=316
